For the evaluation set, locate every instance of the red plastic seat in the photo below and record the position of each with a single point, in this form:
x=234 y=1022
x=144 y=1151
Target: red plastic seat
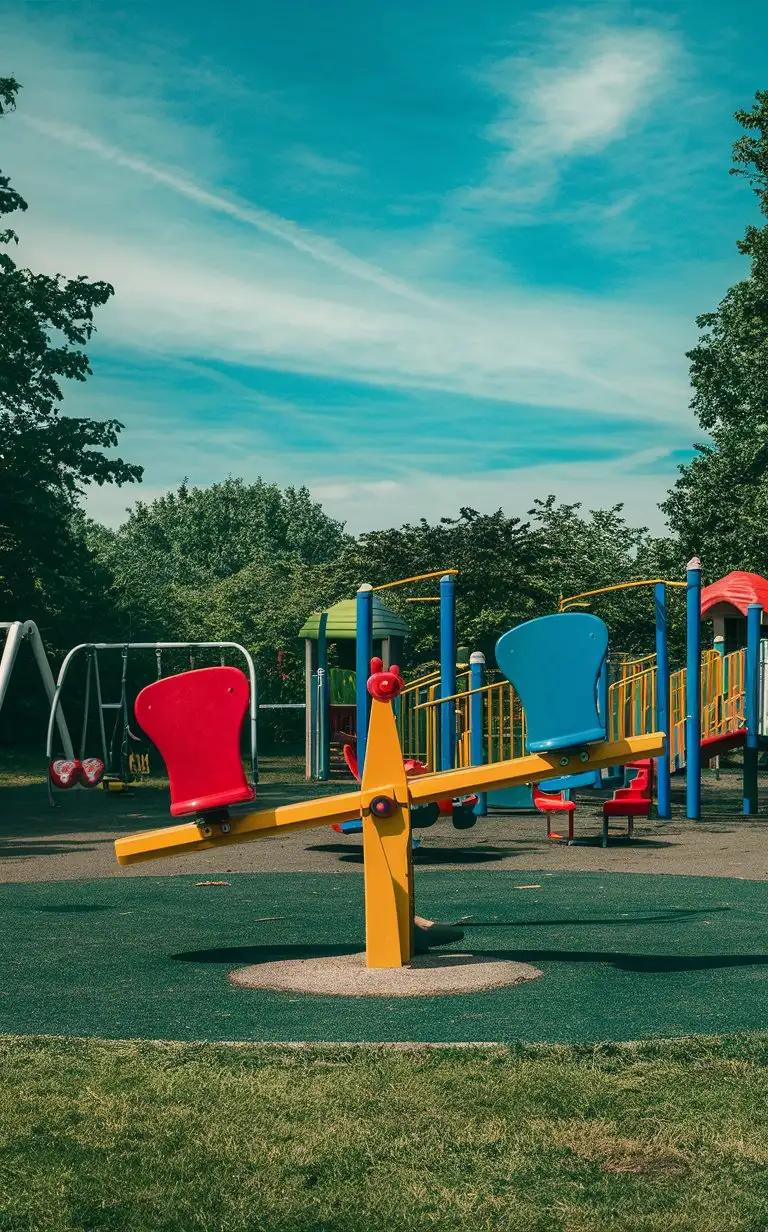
x=194 y=719
x=548 y=802
x=632 y=801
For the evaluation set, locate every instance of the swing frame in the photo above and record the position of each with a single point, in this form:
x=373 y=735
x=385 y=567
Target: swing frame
x=16 y=633
x=92 y=650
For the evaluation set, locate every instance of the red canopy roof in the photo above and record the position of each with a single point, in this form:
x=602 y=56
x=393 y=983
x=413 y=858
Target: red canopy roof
x=737 y=590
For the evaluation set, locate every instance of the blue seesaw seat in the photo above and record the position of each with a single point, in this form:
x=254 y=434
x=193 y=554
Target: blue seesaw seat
x=553 y=663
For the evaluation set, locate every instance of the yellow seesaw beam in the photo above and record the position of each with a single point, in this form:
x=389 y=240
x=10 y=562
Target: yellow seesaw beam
x=423 y=789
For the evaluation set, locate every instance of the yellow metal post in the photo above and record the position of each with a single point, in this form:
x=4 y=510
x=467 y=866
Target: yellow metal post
x=387 y=852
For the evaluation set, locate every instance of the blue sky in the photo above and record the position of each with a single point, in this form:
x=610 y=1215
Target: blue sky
x=415 y=256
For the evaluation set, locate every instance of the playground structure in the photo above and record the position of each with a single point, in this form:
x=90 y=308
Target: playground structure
x=120 y=763
x=335 y=699
x=330 y=697
x=455 y=718
x=565 y=732
x=715 y=703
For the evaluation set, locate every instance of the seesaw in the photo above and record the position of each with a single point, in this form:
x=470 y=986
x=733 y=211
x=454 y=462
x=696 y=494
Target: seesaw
x=553 y=663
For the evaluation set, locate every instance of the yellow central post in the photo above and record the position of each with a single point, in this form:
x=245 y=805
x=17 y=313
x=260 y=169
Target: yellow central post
x=387 y=851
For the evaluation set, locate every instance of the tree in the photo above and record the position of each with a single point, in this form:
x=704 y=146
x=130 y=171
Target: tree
x=235 y=561
x=510 y=571
x=46 y=460
x=594 y=549
x=499 y=584
x=719 y=505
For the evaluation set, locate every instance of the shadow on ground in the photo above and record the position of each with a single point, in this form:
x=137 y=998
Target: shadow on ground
x=429 y=855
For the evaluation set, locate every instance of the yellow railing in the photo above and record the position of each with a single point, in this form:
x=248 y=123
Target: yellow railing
x=418 y=720
x=502 y=717
x=631 y=709
x=634 y=667
x=632 y=701
x=411 y=725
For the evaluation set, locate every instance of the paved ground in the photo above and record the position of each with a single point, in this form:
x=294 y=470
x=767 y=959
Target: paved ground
x=74 y=841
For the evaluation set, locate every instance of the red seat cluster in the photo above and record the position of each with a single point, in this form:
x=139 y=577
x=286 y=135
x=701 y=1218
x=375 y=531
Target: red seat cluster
x=69 y=771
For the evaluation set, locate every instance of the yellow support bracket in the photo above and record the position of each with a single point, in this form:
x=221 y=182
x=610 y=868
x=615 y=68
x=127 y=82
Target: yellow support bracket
x=418 y=577
x=569 y=600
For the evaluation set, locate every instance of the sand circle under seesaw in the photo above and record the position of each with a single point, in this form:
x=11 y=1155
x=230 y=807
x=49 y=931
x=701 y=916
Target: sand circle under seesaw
x=346 y=975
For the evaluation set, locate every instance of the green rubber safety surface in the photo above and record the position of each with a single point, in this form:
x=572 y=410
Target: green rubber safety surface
x=624 y=956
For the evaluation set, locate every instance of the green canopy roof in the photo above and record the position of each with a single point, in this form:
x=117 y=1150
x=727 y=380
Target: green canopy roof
x=342 y=622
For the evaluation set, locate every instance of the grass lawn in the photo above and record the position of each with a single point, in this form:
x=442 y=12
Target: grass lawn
x=142 y=1137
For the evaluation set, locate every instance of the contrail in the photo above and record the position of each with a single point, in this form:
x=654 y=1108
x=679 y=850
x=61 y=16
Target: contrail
x=269 y=224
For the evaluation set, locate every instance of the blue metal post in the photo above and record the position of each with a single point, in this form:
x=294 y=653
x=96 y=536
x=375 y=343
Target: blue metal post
x=751 y=707
x=476 y=742
x=602 y=694
x=663 y=763
x=693 y=692
x=363 y=655
x=447 y=670
x=323 y=700
x=602 y=706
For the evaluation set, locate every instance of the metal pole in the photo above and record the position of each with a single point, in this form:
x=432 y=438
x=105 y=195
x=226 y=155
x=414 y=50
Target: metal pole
x=13 y=639
x=314 y=725
x=363 y=656
x=253 y=721
x=32 y=632
x=693 y=691
x=476 y=742
x=719 y=647
x=602 y=707
x=663 y=763
x=84 y=731
x=751 y=682
x=321 y=772
x=447 y=671
x=323 y=734
x=100 y=708
x=308 y=728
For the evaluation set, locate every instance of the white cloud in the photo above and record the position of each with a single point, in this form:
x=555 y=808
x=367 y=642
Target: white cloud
x=572 y=96
x=255 y=307
x=432 y=493
x=198 y=273
x=304 y=241
x=122 y=191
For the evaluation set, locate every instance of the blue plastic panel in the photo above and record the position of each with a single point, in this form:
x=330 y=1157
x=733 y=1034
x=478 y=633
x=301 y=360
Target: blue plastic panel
x=554 y=663
x=511 y=798
x=570 y=782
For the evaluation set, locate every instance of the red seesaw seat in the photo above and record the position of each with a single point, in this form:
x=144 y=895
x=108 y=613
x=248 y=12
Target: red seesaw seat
x=632 y=801
x=548 y=802
x=194 y=719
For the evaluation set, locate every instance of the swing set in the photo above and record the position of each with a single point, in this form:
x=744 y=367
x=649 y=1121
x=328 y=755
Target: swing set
x=125 y=754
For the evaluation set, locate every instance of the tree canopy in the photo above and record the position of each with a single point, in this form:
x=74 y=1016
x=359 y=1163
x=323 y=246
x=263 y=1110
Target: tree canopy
x=234 y=561
x=719 y=505
x=46 y=459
